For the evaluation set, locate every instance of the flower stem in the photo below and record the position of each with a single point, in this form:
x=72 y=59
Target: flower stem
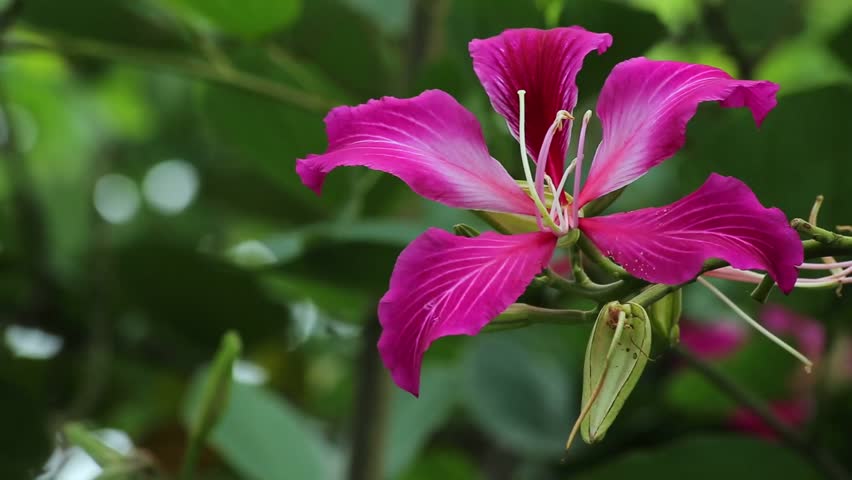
x=822 y=235
x=520 y=315
x=596 y=256
x=820 y=459
x=585 y=287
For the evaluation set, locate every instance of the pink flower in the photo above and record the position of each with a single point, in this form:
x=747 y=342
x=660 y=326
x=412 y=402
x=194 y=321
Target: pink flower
x=718 y=340
x=448 y=285
x=712 y=341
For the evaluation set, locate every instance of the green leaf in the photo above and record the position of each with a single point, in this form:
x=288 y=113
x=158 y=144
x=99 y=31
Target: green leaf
x=244 y=17
x=778 y=19
x=615 y=358
x=193 y=297
x=392 y=16
x=443 y=464
x=797 y=136
x=262 y=437
x=634 y=31
x=117 y=21
x=414 y=420
x=705 y=458
x=521 y=400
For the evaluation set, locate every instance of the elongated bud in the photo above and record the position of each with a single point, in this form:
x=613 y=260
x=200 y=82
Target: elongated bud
x=465 y=230
x=665 y=316
x=615 y=358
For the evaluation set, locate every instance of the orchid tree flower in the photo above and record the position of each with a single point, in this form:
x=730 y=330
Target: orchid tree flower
x=444 y=284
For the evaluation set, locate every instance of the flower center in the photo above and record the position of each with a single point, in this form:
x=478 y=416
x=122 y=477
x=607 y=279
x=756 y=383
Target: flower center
x=559 y=219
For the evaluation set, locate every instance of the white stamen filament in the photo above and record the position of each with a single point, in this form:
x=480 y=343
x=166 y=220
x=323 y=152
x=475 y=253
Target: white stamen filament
x=542 y=213
x=557 y=194
x=578 y=172
x=825 y=266
x=745 y=276
x=757 y=326
x=544 y=152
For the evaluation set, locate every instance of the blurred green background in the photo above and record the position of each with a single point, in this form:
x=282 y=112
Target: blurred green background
x=149 y=203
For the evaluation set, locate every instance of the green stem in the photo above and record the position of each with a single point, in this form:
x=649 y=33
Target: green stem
x=820 y=459
x=821 y=235
x=600 y=259
x=762 y=290
x=214 y=399
x=179 y=64
x=372 y=411
x=520 y=315
x=585 y=287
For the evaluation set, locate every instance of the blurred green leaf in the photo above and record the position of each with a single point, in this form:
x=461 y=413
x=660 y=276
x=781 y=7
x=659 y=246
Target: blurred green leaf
x=841 y=44
x=633 y=31
x=692 y=394
x=797 y=154
x=522 y=401
x=262 y=437
x=801 y=64
x=778 y=19
x=469 y=19
x=413 y=420
x=25 y=446
x=245 y=17
x=705 y=458
x=392 y=16
x=126 y=22
x=352 y=52
x=160 y=280
x=443 y=464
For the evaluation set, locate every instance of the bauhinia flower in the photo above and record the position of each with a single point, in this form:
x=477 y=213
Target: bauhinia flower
x=444 y=284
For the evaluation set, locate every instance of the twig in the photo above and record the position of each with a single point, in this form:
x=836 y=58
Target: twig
x=179 y=64
x=820 y=459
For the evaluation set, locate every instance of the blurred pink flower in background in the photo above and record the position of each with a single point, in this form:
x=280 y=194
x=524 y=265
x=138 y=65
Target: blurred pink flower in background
x=715 y=341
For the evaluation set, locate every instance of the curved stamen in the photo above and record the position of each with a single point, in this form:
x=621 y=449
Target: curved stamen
x=578 y=173
x=542 y=213
x=745 y=276
x=543 y=154
x=557 y=193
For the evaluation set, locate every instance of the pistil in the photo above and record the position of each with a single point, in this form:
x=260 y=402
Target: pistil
x=757 y=326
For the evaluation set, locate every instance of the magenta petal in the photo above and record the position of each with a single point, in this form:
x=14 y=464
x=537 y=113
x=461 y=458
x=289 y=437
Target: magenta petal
x=545 y=63
x=644 y=107
x=722 y=219
x=447 y=285
x=430 y=142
